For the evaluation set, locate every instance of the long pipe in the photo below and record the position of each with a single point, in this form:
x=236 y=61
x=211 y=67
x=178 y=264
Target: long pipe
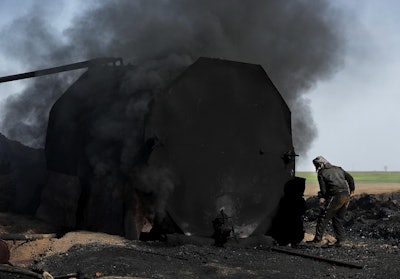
x=337 y=262
x=21 y=271
x=20 y=236
x=64 y=68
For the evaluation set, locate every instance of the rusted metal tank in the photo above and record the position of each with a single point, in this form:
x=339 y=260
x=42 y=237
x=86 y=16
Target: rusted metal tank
x=225 y=133
x=87 y=135
x=218 y=137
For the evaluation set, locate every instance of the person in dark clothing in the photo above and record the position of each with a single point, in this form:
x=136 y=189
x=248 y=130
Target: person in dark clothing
x=287 y=225
x=336 y=189
x=223 y=227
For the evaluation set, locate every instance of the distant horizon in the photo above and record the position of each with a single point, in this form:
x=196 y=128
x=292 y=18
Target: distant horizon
x=355 y=171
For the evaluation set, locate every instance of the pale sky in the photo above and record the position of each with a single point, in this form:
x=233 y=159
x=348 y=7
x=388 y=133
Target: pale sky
x=356 y=110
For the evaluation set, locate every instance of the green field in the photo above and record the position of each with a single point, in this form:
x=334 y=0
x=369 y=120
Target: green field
x=360 y=176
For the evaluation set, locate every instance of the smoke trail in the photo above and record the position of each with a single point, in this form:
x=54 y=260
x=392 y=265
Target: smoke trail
x=297 y=43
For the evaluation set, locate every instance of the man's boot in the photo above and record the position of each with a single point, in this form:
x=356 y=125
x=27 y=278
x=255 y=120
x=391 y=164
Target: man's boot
x=318 y=236
x=316 y=240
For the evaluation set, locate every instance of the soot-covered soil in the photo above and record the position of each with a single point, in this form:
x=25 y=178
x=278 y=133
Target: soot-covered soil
x=372 y=251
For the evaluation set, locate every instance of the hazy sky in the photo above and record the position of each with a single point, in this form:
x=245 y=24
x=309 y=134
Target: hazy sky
x=356 y=110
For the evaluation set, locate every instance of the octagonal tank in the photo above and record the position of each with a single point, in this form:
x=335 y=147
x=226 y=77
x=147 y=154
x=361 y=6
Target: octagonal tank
x=225 y=134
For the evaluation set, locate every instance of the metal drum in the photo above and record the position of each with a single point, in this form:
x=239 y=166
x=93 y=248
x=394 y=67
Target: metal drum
x=225 y=134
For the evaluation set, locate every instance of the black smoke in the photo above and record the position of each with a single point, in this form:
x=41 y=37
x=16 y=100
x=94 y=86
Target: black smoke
x=297 y=42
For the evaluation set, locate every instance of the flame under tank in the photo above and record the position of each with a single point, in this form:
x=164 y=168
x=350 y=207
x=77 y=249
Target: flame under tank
x=223 y=132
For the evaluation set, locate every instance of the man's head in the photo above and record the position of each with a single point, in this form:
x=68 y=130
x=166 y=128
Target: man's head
x=320 y=162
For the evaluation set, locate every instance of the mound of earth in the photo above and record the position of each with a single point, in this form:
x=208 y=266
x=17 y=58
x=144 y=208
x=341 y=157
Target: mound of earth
x=368 y=216
x=372 y=250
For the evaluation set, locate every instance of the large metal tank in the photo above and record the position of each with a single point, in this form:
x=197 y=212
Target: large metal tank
x=225 y=134
x=223 y=140
x=87 y=135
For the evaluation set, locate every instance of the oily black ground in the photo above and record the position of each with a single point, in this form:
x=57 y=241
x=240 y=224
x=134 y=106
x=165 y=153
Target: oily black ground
x=371 y=251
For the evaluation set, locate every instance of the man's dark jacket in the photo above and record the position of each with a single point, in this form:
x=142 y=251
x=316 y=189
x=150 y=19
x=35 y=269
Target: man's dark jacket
x=332 y=180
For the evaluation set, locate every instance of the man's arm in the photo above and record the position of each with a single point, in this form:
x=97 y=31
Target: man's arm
x=322 y=187
x=350 y=181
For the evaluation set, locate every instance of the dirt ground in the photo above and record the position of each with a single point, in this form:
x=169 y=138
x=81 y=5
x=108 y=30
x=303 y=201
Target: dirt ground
x=372 y=250
x=362 y=188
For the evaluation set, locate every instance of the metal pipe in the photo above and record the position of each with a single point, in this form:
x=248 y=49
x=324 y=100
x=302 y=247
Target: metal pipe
x=28 y=237
x=337 y=262
x=69 y=67
x=19 y=270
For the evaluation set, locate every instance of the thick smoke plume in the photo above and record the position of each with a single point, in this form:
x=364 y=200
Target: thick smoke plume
x=297 y=43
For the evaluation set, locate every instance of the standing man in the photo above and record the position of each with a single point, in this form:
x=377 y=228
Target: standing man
x=336 y=189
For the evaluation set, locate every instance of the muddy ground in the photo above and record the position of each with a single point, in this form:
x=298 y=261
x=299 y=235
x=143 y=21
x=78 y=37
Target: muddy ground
x=372 y=250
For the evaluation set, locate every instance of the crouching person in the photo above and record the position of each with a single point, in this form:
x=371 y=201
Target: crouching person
x=223 y=227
